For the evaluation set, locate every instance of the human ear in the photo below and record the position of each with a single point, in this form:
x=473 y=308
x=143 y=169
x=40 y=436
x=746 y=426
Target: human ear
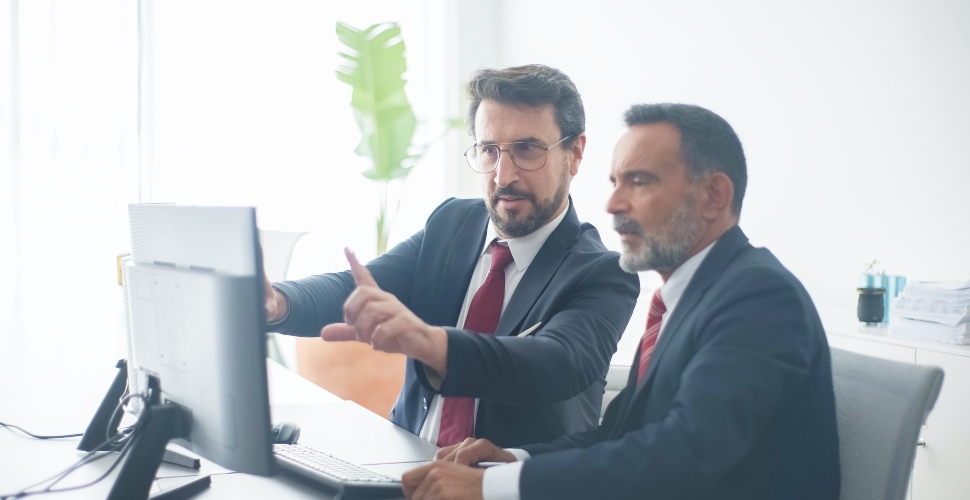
x=719 y=191
x=579 y=145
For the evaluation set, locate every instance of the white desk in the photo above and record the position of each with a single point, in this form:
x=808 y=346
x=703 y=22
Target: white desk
x=939 y=472
x=38 y=399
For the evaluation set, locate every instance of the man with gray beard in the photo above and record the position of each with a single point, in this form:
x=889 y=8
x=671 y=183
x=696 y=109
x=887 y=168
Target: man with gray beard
x=508 y=307
x=730 y=395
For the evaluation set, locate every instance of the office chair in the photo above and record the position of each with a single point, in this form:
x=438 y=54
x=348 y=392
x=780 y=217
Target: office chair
x=277 y=250
x=616 y=379
x=880 y=406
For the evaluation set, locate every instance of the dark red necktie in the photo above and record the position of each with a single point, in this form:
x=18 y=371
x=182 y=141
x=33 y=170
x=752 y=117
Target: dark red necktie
x=649 y=340
x=458 y=414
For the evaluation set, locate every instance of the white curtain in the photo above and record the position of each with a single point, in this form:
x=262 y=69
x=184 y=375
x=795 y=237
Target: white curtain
x=240 y=106
x=69 y=163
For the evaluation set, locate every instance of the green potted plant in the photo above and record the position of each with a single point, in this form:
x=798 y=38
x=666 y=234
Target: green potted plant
x=373 y=64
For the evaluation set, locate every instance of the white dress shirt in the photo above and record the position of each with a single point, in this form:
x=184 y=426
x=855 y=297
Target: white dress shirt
x=523 y=250
x=502 y=482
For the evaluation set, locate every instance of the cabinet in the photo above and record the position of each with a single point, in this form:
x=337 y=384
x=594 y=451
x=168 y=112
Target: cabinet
x=940 y=469
x=941 y=466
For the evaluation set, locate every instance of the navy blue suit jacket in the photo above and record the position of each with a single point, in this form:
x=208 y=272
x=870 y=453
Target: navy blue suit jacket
x=737 y=401
x=531 y=389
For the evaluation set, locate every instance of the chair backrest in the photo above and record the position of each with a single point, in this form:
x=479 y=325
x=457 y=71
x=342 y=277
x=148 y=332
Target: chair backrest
x=880 y=406
x=616 y=379
x=277 y=250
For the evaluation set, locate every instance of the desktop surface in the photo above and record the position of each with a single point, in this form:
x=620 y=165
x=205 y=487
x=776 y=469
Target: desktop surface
x=41 y=405
x=354 y=433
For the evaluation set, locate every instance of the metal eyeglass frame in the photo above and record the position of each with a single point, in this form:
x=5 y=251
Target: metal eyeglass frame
x=509 y=151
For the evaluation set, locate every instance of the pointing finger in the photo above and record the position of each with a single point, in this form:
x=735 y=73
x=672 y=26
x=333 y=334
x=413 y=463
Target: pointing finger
x=361 y=275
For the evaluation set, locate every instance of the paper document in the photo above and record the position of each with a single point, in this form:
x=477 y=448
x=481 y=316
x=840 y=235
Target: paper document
x=945 y=285
x=926 y=330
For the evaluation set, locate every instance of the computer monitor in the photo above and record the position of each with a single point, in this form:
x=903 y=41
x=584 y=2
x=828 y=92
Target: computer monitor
x=196 y=314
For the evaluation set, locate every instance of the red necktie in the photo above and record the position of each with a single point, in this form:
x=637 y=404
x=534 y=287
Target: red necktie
x=649 y=340
x=458 y=414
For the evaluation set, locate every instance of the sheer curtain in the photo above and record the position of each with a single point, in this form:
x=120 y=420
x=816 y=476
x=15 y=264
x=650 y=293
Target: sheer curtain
x=9 y=247
x=240 y=106
x=67 y=174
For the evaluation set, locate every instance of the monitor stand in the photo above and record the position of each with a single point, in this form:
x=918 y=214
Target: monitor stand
x=107 y=418
x=163 y=422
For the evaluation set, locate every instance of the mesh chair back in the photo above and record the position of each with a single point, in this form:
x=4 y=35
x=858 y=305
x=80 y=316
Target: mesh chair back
x=880 y=406
x=616 y=379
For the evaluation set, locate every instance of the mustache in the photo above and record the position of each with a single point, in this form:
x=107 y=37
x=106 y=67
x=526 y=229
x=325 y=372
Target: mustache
x=512 y=190
x=623 y=225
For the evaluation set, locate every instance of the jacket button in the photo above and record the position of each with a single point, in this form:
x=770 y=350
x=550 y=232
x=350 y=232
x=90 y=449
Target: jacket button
x=426 y=403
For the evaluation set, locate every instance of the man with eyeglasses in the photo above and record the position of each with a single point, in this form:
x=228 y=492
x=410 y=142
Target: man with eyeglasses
x=508 y=307
x=730 y=396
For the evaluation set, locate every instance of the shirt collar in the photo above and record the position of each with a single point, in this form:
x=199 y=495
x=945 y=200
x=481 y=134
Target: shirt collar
x=525 y=248
x=673 y=289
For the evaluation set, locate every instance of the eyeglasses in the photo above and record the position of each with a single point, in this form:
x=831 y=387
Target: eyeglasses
x=484 y=158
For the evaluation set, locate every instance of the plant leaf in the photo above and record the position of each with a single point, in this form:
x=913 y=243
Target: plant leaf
x=373 y=64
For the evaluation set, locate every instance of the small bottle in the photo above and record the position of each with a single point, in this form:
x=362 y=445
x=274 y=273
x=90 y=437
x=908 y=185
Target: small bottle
x=871 y=306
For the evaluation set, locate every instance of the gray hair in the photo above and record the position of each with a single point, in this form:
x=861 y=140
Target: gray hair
x=707 y=142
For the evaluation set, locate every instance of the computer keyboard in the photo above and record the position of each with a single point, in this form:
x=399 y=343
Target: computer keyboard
x=352 y=479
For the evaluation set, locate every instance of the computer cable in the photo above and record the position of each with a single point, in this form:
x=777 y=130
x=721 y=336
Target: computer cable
x=118 y=441
x=121 y=442
x=63 y=436
x=90 y=457
x=50 y=487
x=35 y=436
x=112 y=443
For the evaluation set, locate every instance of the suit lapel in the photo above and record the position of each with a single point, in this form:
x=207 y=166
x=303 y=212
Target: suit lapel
x=463 y=253
x=726 y=247
x=540 y=272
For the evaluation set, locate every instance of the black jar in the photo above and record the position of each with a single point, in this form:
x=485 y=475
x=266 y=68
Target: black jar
x=871 y=309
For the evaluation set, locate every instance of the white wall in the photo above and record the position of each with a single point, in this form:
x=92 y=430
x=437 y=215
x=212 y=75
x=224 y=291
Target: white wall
x=855 y=118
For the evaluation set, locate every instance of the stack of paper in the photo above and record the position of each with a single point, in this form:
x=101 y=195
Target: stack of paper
x=932 y=311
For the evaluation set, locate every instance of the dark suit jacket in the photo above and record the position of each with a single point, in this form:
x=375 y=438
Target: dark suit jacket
x=532 y=389
x=737 y=401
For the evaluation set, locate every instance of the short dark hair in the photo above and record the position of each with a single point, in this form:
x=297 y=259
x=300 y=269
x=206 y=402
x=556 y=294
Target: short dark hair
x=531 y=85
x=707 y=142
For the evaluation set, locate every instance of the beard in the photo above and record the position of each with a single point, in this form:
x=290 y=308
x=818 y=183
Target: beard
x=667 y=247
x=515 y=224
